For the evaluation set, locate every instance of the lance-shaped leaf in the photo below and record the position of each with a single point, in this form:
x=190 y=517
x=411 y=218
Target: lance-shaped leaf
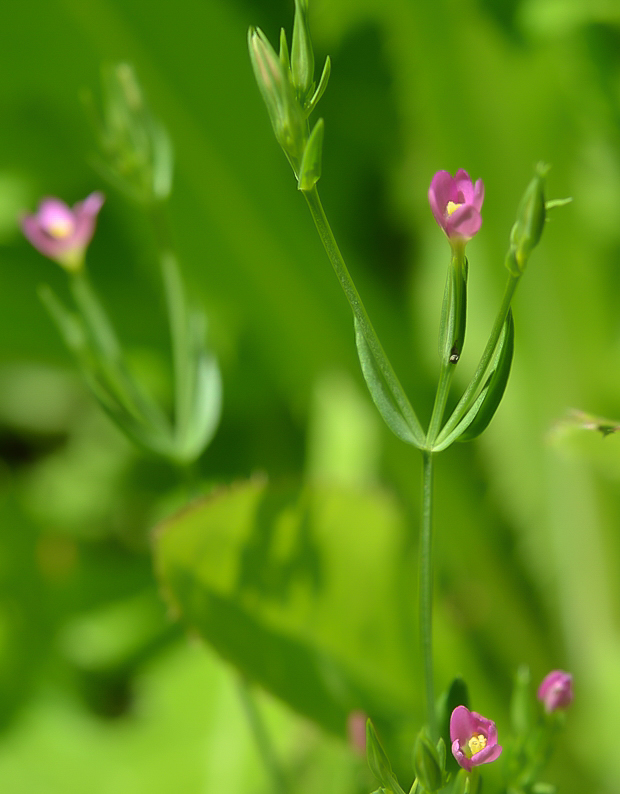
x=486 y=403
x=298 y=588
x=389 y=398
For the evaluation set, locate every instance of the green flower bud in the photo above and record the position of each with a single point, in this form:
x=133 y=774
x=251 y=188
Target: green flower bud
x=527 y=229
x=426 y=763
x=274 y=81
x=302 y=54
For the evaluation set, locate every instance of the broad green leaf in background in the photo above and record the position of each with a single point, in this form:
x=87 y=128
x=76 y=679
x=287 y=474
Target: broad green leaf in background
x=299 y=589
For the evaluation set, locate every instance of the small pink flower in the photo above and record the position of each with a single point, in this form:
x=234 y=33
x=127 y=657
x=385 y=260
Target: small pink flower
x=61 y=233
x=474 y=738
x=456 y=203
x=556 y=690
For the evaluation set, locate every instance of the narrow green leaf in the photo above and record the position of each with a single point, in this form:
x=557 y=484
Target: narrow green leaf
x=478 y=417
x=297 y=588
x=382 y=396
x=496 y=384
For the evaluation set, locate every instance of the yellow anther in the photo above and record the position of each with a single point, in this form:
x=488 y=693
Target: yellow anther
x=477 y=743
x=61 y=227
x=451 y=207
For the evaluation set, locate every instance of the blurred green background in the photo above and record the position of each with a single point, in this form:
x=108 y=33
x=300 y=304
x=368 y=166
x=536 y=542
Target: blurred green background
x=99 y=690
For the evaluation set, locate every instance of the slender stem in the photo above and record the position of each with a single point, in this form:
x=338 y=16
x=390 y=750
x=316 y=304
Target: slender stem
x=441 y=398
x=340 y=268
x=262 y=739
x=467 y=398
x=425 y=584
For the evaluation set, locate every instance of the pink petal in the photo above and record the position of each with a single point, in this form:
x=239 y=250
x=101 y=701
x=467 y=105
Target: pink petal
x=490 y=753
x=464 y=186
x=464 y=222
x=461 y=725
x=461 y=758
x=478 y=194
x=54 y=212
x=47 y=245
x=86 y=218
x=441 y=189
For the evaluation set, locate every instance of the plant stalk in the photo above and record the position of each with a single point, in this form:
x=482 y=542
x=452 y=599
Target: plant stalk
x=425 y=585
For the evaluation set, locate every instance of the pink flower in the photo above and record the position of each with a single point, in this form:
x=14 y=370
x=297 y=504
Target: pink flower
x=61 y=233
x=556 y=690
x=474 y=738
x=356 y=731
x=456 y=203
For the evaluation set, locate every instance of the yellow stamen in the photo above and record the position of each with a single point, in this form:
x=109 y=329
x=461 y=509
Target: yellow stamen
x=62 y=227
x=451 y=207
x=477 y=743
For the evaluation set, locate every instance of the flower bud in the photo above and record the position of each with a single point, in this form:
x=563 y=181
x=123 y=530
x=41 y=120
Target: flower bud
x=137 y=152
x=556 y=691
x=302 y=54
x=426 y=763
x=528 y=227
x=274 y=82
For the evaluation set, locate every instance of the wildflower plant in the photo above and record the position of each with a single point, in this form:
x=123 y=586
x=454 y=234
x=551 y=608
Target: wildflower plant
x=136 y=156
x=291 y=94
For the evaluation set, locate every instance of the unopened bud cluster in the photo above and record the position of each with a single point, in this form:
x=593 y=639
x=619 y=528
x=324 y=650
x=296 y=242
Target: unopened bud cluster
x=287 y=85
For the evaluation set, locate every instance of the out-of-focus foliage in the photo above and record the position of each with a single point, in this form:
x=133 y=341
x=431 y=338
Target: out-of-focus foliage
x=98 y=690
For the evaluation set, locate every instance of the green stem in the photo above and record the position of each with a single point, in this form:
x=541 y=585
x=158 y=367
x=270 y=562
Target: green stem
x=262 y=739
x=425 y=584
x=346 y=282
x=467 y=399
x=441 y=398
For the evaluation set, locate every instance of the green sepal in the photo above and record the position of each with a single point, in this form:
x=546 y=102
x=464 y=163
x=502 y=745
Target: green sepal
x=284 y=54
x=320 y=89
x=457 y=694
x=379 y=762
x=302 y=55
x=454 y=312
x=495 y=386
x=385 y=398
x=427 y=765
x=310 y=169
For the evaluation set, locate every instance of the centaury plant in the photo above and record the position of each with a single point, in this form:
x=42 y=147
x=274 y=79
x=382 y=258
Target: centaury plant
x=137 y=158
x=287 y=84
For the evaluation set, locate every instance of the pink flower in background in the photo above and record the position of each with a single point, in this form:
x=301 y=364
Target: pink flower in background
x=356 y=731
x=456 y=203
x=556 y=690
x=474 y=738
x=61 y=233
